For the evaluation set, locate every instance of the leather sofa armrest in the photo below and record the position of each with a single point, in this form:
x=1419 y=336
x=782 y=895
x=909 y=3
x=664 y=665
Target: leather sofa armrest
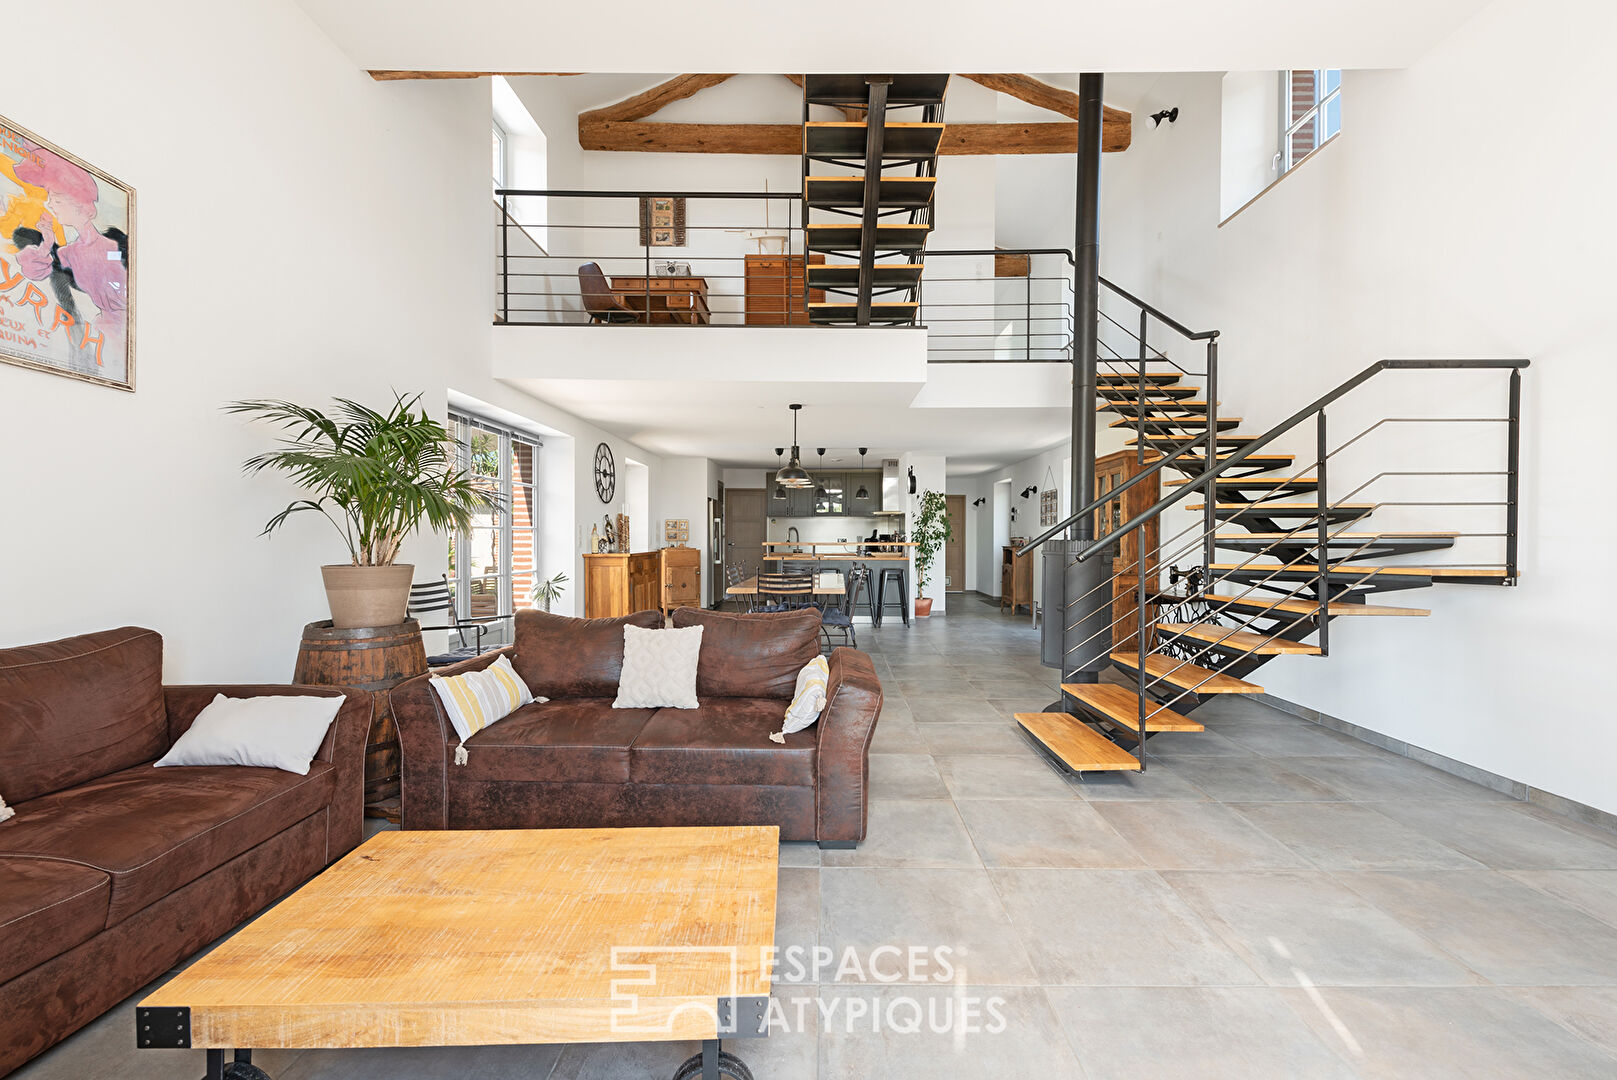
x=424 y=736
x=344 y=746
x=853 y=700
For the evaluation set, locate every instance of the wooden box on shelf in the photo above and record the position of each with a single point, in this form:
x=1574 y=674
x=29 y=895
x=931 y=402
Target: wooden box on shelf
x=774 y=290
x=617 y=584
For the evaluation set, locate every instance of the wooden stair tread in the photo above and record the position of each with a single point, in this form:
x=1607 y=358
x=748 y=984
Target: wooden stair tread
x=1222 y=637
x=1123 y=707
x=1075 y=744
x=1185 y=676
x=1131 y=380
x=844 y=192
x=1306 y=535
x=1287 y=507
x=1252 y=481
x=840 y=275
x=1181 y=421
x=1308 y=607
x=1169 y=403
x=836 y=236
x=846 y=139
x=852 y=90
x=1341 y=568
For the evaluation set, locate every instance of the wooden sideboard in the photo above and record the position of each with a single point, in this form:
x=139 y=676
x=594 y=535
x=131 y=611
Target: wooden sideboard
x=617 y=584
x=1015 y=580
x=774 y=290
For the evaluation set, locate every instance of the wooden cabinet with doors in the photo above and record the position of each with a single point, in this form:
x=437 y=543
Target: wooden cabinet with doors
x=663 y=580
x=774 y=290
x=1113 y=471
x=1015 y=580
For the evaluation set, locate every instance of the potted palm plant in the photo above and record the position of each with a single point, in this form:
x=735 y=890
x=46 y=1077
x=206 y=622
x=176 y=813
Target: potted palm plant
x=377 y=477
x=930 y=533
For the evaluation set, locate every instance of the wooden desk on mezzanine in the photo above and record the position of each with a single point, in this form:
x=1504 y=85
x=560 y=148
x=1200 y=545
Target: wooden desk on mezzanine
x=665 y=299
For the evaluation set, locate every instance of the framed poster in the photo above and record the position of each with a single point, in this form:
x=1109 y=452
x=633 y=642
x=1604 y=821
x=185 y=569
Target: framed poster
x=662 y=221
x=67 y=278
x=1047 y=506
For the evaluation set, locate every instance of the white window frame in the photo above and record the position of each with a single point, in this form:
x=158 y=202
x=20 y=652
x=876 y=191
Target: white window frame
x=1289 y=127
x=459 y=583
x=503 y=169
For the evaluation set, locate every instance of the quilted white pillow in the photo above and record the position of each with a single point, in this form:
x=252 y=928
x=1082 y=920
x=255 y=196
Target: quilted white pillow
x=659 y=668
x=281 y=732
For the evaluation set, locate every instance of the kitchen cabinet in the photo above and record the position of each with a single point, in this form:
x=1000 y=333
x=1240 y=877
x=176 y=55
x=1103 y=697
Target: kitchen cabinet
x=800 y=502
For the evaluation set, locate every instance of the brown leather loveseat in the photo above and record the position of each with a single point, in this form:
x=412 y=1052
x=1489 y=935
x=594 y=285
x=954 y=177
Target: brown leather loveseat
x=112 y=871
x=575 y=761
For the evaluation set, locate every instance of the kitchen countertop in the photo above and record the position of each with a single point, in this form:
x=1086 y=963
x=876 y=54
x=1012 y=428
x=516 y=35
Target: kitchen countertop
x=806 y=556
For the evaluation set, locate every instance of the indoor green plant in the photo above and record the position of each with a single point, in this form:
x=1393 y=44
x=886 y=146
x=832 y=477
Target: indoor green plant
x=546 y=593
x=377 y=477
x=929 y=533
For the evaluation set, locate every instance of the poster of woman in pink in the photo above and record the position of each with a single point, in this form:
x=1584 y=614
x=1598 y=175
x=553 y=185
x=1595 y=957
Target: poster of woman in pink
x=66 y=269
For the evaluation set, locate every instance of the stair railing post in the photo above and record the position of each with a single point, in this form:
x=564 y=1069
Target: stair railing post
x=1513 y=461
x=1320 y=541
x=1210 y=496
x=1027 y=312
x=1139 y=401
x=505 y=258
x=1139 y=645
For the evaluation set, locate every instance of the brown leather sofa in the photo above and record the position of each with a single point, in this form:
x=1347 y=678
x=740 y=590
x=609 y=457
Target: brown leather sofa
x=112 y=872
x=578 y=762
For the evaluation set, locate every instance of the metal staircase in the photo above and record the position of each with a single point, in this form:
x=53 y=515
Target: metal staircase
x=1277 y=551
x=851 y=173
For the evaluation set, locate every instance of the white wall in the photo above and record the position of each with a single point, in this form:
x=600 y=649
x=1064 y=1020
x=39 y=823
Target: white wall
x=1460 y=213
x=327 y=238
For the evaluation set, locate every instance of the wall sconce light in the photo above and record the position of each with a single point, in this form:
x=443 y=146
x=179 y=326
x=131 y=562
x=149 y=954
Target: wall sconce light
x=978 y=501
x=1169 y=115
x=912 y=479
x=1029 y=490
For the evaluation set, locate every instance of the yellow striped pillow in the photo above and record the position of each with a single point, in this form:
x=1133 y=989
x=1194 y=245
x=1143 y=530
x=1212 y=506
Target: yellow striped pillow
x=479 y=698
x=809 y=699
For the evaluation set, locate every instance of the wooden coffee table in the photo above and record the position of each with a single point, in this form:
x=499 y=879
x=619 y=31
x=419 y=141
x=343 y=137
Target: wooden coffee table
x=479 y=938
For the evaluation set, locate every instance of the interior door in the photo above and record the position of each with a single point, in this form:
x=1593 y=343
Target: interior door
x=715 y=546
x=743 y=530
x=954 y=550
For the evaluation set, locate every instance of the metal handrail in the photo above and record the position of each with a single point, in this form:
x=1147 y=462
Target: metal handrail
x=1168 y=320
x=1212 y=472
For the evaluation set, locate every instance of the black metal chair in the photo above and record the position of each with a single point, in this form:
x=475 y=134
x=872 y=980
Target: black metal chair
x=433 y=597
x=785 y=592
x=838 y=616
x=600 y=301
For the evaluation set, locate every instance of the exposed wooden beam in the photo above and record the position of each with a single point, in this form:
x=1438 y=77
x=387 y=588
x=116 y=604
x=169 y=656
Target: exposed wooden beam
x=395 y=76
x=647 y=102
x=1063 y=102
x=787 y=139
x=1052 y=138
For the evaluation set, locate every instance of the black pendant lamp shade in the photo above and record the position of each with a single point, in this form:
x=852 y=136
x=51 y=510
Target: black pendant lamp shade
x=794 y=475
x=863 y=492
x=819 y=485
x=780 y=492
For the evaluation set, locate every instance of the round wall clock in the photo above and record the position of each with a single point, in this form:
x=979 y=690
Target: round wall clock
x=606 y=473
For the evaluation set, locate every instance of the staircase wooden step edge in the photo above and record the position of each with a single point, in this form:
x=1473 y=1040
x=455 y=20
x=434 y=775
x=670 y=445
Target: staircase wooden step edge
x=1225 y=639
x=1075 y=744
x=1307 y=607
x=1184 y=675
x=1122 y=706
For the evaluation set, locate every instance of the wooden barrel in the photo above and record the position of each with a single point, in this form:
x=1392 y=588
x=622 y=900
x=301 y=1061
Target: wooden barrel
x=374 y=659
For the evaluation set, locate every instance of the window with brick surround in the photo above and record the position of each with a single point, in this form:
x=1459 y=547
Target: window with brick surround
x=493 y=566
x=1311 y=104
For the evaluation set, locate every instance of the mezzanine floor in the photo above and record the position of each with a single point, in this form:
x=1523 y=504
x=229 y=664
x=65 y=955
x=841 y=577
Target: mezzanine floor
x=1270 y=899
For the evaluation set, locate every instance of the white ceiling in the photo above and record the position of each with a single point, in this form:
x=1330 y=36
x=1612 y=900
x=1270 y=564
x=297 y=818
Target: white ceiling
x=945 y=35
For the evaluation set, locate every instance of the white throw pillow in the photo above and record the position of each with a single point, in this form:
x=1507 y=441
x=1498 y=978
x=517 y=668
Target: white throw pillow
x=276 y=732
x=659 y=668
x=808 y=698
x=5 y=811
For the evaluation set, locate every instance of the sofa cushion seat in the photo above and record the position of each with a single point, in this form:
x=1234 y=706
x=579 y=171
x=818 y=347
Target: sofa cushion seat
x=570 y=740
x=154 y=830
x=723 y=741
x=46 y=908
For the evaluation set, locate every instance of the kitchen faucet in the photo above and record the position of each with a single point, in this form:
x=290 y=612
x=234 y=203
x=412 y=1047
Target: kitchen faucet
x=792 y=536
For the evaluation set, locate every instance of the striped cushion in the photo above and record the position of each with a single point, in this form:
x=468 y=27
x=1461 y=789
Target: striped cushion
x=479 y=698
x=809 y=699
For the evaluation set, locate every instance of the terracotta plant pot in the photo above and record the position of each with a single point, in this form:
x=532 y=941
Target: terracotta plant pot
x=367 y=595
x=923 y=606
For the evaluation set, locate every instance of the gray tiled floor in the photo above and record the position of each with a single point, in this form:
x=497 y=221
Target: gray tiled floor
x=1270 y=899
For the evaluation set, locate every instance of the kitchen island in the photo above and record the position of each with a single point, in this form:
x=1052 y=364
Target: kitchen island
x=840 y=555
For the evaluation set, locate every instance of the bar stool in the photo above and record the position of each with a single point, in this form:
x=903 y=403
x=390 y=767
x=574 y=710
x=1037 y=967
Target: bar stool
x=896 y=575
x=859 y=583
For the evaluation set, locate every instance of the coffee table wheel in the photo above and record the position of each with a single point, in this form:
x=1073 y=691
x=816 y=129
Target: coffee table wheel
x=729 y=1065
x=241 y=1070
